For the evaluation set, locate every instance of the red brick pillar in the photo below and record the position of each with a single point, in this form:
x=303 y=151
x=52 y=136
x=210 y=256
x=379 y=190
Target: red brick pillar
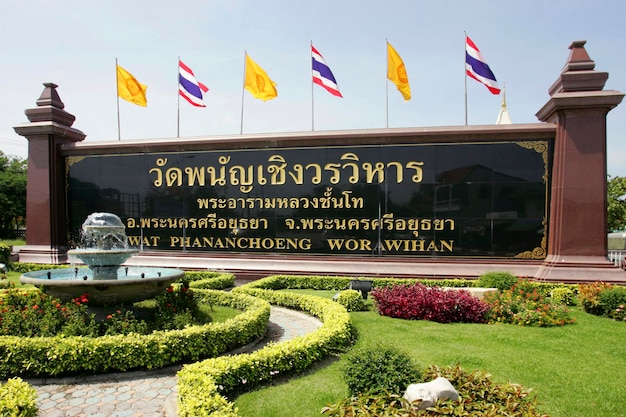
x=577 y=228
x=49 y=127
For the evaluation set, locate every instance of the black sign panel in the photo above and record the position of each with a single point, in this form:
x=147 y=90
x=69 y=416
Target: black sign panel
x=480 y=199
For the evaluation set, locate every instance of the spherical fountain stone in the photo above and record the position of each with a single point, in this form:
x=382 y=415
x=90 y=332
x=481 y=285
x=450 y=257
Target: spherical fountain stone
x=104 y=248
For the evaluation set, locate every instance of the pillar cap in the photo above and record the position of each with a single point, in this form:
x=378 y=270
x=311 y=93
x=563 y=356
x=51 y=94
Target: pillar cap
x=50 y=108
x=579 y=74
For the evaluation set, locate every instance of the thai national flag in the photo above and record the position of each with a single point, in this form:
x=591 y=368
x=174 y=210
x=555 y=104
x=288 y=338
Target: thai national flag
x=477 y=68
x=188 y=87
x=322 y=75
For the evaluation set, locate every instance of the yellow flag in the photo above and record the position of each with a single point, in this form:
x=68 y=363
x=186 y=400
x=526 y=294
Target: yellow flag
x=397 y=73
x=257 y=82
x=130 y=89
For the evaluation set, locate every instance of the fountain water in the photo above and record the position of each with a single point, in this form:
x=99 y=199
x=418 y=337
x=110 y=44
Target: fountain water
x=104 y=248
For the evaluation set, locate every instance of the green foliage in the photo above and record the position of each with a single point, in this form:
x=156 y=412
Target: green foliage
x=479 y=396
x=379 y=369
x=201 y=385
x=123 y=322
x=524 y=305
x=589 y=297
x=612 y=302
x=176 y=307
x=616 y=206
x=59 y=355
x=381 y=405
x=209 y=280
x=12 y=192
x=23 y=267
x=17 y=399
x=352 y=300
x=619 y=313
x=5 y=253
x=277 y=282
x=497 y=279
x=32 y=313
x=4 y=282
x=563 y=296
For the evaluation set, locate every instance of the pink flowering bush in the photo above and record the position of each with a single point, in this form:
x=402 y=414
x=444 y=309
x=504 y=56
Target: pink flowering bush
x=418 y=302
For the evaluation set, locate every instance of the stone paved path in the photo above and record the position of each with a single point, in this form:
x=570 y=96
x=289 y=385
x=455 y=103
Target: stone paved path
x=142 y=393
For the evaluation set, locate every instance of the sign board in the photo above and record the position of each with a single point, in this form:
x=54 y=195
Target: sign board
x=486 y=199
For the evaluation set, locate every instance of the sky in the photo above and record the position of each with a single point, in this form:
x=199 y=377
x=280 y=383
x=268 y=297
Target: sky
x=75 y=44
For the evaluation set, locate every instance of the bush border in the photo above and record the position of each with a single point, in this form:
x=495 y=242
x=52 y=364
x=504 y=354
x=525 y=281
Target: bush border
x=202 y=385
x=53 y=356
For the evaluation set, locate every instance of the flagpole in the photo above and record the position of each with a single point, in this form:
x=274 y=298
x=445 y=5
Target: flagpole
x=465 y=71
x=178 y=100
x=243 y=89
x=387 y=86
x=312 y=93
x=117 y=88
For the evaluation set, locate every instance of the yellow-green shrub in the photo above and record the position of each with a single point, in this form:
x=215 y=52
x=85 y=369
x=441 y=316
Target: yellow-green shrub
x=17 y=399
x=210 y=280
x=201 y=385
x=352 y=300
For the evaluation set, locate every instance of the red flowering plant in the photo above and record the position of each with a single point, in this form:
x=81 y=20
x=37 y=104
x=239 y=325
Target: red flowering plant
x=418 y=302
x=176 y=307
x=34 y=313
x=525 y=306
x=124 y=322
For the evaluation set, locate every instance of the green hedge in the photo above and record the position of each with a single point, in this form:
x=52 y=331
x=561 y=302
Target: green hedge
x=24 y=267
x=201 y=385
x=76 y=355
x=336 y=283
x=18 y=399
x=209 y=280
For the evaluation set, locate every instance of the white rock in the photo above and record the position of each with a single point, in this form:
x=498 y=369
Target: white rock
x=430 y=392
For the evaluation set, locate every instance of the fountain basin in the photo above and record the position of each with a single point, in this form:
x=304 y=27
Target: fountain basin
x=131 y=284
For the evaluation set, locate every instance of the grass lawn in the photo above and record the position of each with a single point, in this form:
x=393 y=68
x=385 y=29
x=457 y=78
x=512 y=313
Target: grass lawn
x=576 y=370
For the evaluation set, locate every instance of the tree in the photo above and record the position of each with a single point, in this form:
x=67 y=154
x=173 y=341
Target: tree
x=12 y=192
x=616 y=203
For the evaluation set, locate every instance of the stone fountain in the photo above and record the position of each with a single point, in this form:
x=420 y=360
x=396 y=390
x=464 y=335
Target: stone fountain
x=104 y=248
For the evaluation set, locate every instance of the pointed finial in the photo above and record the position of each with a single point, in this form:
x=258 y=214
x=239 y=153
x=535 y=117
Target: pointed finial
x=50 y=97
x=579 y=72
x=50 y=108
x=578 y=59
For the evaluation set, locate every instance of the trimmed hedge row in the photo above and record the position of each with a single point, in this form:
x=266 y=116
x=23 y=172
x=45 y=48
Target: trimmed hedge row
x=277 y=282
x=24 y=267
x=71 y=355
x=209 y=280
x=201 y=385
